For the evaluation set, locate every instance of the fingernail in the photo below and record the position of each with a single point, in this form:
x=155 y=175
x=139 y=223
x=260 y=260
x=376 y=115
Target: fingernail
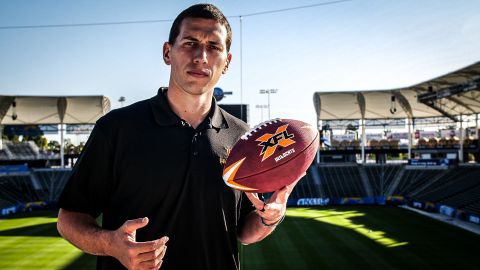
x=166 y=238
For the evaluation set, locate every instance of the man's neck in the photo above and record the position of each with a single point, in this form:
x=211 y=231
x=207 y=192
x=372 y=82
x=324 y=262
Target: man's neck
x=191 y=108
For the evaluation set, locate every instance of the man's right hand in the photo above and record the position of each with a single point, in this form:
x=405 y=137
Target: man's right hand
x=133 y=254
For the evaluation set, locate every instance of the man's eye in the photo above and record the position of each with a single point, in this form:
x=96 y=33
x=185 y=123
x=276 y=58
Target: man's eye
x=213 y=47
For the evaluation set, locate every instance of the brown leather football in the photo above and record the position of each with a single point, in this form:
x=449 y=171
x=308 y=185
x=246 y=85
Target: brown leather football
x=271 y=155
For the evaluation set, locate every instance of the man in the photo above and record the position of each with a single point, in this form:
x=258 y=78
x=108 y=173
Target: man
x=153 y=169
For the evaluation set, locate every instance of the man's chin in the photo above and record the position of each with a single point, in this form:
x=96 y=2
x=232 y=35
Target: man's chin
x=198 y=91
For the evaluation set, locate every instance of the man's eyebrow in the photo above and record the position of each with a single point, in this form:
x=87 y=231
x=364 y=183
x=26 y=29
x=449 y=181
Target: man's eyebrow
x=217 y=43
x=190 y=38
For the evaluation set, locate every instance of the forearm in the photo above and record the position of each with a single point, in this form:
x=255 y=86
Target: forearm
x=83 y=232
x=253 y=230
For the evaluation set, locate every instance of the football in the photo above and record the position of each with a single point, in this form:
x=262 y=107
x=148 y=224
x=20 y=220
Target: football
x=272 y=155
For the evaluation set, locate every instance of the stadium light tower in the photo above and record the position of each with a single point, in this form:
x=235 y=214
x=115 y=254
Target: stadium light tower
x=268 y=92
x=261 y=107
x=121 y=100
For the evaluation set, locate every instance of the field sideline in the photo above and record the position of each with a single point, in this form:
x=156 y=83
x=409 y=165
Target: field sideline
x=342 y=237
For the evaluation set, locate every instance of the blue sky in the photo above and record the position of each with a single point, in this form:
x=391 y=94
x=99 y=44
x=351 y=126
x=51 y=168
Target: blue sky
x=353 y=45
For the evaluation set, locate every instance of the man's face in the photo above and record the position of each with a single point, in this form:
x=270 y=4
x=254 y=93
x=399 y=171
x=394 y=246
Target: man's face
x=198 y=57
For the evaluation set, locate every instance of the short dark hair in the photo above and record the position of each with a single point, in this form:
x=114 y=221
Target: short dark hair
x=204 y=11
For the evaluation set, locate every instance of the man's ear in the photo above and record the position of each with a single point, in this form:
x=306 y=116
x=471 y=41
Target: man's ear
x=166 y=52
x=229 y=58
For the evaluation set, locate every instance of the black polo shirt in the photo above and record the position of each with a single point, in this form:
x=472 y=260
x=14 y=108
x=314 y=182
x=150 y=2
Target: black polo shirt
x=144 y=161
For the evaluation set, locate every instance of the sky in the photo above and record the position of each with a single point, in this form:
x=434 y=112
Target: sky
x=339 y=46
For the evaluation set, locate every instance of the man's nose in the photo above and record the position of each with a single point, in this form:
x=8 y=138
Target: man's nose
x=200 y=55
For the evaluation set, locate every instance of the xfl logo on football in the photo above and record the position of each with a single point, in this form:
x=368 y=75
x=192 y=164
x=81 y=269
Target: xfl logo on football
x=269 y=142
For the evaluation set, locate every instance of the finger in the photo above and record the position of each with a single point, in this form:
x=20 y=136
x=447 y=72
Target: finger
x=152 y=255
x=264 y=215
x=253 y=197
x=149 y=246
x=147 y=256
x=278 y=195
x=162 y=246
x=285 y=191
x=143 y=247
x=159 y=264
x=162 y=254
x=163 y=240
x=273 y=208
x=271 y=217
x=156 y=262
x=130 y=226
x=294 y=183
x=151 y=264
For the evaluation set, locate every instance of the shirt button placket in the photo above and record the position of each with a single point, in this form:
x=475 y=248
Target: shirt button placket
x=195 y=145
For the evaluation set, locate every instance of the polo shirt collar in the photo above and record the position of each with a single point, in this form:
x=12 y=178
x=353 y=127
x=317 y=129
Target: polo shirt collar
x=216 y=117
x=164 y=115
x=162 y=112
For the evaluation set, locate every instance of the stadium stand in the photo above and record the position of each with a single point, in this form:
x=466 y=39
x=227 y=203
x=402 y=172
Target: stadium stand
x=422 y=143
x=17 y=189
x=51 y=182
x=458 y=183
x=35 y=185
x=345 y=180
x=474 y=207
x=24 y=151
x=4 y=203
x=456 y=186
x=448 y=176
x=413 y=179
x=309 y=187
x=374 y=144
x=27 y=153
x=341 y=180
x=5 y=154
x=463 y=199
x=381 y=176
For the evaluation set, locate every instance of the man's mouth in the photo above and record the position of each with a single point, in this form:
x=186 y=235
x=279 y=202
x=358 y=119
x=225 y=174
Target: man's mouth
x=200 y=73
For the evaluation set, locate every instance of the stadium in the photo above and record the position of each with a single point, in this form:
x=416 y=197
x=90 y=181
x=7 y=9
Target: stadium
x=395 y=183
x=352 y=203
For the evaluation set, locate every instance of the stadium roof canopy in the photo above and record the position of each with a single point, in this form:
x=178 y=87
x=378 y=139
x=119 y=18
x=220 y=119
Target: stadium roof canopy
x=450 y=95
x=27 y=110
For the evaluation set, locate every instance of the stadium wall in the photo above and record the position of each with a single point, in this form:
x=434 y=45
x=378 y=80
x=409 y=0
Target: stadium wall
x=446 y=210
x=381 y=200
x=27 y=207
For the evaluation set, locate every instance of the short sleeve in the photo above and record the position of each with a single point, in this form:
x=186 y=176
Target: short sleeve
x=88 y=188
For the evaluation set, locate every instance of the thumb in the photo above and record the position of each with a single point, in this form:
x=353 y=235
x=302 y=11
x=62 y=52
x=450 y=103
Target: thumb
x=130 y=226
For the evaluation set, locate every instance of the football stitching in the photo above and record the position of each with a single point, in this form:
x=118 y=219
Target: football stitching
x=258 y=127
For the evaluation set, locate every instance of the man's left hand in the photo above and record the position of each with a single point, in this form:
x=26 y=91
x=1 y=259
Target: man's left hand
x=272 y=210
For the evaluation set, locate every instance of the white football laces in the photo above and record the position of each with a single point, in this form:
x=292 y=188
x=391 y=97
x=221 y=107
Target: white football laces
x=258 y=127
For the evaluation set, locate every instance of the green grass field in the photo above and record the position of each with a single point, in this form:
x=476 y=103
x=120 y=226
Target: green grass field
x=31 y=241
x=343 y=237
